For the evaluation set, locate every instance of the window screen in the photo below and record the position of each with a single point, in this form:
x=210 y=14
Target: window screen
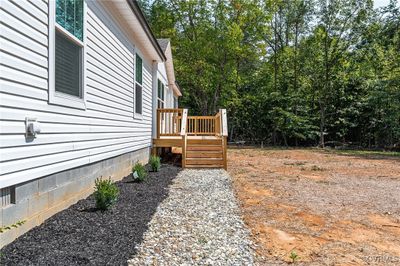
x=138 y=99
x=67 y=66
x=160 y=96
x=175 y=102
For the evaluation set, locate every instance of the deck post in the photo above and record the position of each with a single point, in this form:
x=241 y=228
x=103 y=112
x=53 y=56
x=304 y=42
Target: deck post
x=184 y=134
x=224 y=130
x=224 y=152
x=158 y=123
x=184 y=151
x=154 y=151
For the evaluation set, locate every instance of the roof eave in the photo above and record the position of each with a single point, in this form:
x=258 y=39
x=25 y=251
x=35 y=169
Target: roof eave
x=143 y=22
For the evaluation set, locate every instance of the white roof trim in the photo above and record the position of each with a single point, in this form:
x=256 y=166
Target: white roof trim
x=169 y=67
x=122 y=12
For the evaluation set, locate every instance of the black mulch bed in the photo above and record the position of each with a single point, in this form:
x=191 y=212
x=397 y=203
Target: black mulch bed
x=81 y=235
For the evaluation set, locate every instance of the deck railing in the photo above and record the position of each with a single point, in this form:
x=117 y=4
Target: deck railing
x=175 y=122
x=201 y=125
x=169 y=122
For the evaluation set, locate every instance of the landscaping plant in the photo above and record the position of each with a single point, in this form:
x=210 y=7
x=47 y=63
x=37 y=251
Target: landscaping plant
x=293 y=256
x=155 y=163
x=139 y=172
x=9 y=227
x=106 y=193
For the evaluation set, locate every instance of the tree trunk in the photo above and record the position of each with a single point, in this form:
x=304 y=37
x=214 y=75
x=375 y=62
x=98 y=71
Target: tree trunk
x=275 y=55
x=322 y=126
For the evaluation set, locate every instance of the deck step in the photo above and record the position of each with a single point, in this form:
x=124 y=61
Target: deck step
x=204 y=154
x=204 y=166
x=204 y=148
x=204 y=161
x=203 y=142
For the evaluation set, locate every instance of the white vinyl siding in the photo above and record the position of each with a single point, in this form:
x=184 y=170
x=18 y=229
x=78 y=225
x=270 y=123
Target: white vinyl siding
x=167 y=99
x=69 y=137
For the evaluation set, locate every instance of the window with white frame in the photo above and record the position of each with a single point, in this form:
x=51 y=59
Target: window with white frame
x=67 y=52
x=175 y=102
x=160 y=95
x=138 y=84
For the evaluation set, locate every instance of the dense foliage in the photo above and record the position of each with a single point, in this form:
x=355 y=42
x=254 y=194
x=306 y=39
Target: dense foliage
x=289 y=72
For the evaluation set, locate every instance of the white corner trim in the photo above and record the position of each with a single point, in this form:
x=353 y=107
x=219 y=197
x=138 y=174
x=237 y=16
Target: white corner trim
x=55 y=97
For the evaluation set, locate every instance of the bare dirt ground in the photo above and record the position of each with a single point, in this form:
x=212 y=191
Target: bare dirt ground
x=329 y=208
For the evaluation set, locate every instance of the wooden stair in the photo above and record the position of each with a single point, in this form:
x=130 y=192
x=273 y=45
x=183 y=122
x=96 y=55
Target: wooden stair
x=205 y=153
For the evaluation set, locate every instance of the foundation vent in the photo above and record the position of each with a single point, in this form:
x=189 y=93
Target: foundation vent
x=7 y=196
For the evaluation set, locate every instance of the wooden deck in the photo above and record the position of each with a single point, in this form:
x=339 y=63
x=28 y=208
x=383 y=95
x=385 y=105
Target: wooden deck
x=202 y=140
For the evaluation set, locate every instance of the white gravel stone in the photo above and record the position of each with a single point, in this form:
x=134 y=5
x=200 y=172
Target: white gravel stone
x=197 y=224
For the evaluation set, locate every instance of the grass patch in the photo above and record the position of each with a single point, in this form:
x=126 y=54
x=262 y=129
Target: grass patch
x=316 y=168
x=365 y=153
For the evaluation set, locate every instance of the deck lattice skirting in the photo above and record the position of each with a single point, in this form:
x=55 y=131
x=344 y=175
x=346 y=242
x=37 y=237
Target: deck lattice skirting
x=202 y=140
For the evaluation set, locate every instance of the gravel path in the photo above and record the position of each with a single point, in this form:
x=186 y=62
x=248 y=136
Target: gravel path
x=198 y=224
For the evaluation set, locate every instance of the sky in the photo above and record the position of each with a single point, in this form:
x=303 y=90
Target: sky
x=380 y=3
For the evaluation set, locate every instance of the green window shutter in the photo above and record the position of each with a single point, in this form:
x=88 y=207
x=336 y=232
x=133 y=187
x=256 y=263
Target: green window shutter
x=159 y=89
x=69 y=15
x=67 y=66
x=138 y=99
x=139 y=69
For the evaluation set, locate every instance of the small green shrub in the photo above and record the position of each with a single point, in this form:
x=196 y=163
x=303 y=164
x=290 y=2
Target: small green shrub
x=155 y=163
x=293 y=256
x=106 y=193
x=139 y=172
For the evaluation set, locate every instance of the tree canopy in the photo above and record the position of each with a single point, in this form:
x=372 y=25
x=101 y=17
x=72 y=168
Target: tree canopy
x=289 y=72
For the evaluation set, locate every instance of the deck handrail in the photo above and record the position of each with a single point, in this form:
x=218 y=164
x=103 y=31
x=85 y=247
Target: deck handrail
x=201 y=125
x=176 y=122
x=169 y=122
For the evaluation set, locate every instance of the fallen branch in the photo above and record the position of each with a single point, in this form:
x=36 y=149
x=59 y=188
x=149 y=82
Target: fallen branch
x=391 y=225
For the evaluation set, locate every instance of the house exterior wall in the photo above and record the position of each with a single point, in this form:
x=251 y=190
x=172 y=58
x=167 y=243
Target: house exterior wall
x=162 y=75
x=70 y=138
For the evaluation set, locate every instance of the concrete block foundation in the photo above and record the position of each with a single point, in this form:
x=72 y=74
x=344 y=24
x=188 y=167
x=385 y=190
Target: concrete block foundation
x=39 y=199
